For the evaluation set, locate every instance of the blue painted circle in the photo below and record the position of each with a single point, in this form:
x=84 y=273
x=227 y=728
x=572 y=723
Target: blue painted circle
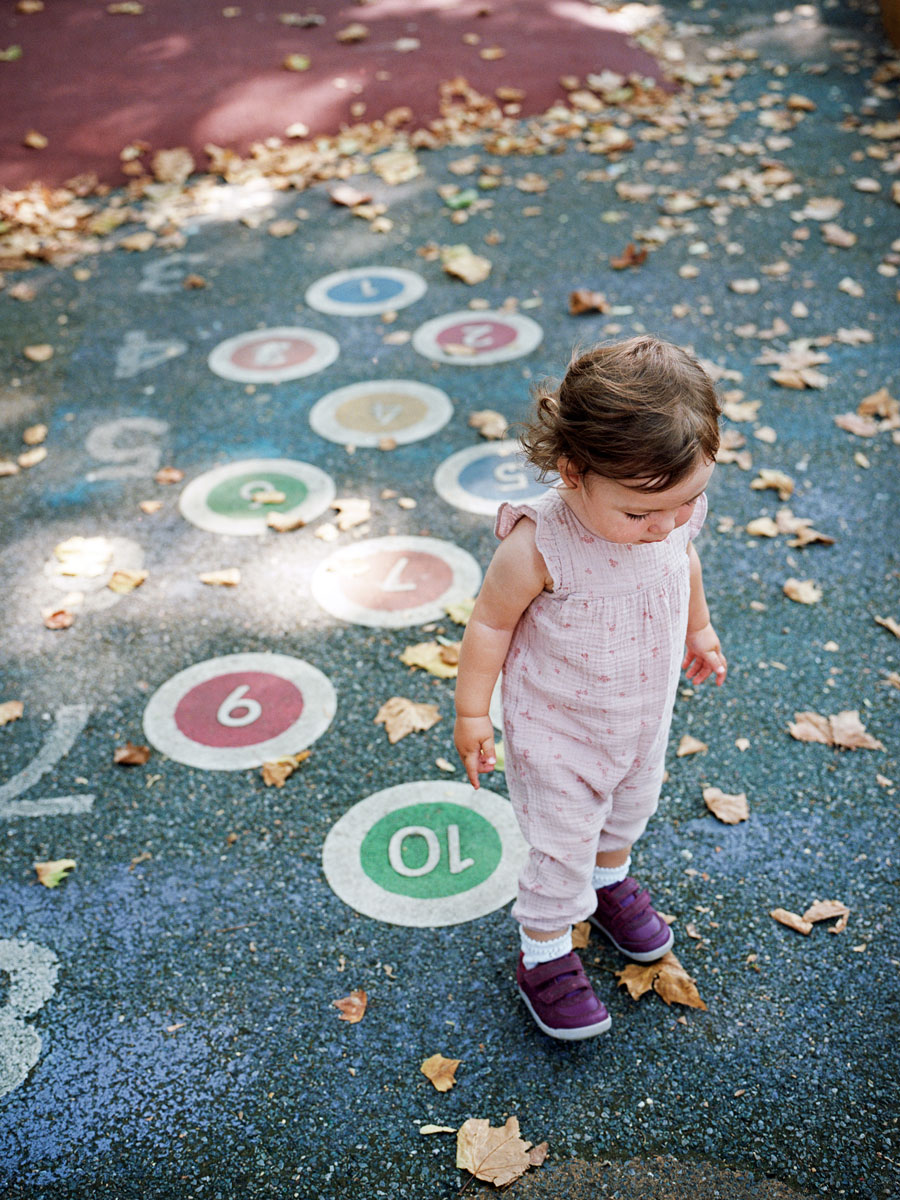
x=499 y=478
x=368 y=289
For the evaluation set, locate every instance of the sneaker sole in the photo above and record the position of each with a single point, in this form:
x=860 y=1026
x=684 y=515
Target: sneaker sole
x=646 y=956
x=567 y=1035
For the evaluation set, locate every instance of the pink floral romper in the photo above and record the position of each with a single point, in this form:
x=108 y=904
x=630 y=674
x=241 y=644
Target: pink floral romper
x=589 y=686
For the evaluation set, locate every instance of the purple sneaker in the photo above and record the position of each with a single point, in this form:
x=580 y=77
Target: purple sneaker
x=561 y=1000
x=625 y=915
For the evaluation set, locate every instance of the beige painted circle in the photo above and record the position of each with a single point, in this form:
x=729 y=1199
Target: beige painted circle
x=364 y=414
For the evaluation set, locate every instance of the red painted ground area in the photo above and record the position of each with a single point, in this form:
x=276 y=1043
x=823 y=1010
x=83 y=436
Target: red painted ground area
x=183 y=73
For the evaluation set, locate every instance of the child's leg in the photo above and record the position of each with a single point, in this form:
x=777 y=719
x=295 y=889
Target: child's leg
x=624 y=912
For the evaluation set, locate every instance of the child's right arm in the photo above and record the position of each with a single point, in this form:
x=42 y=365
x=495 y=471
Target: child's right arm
x=516 y=575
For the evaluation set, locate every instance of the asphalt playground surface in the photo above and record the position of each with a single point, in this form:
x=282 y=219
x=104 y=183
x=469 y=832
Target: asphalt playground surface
x=167 y=1026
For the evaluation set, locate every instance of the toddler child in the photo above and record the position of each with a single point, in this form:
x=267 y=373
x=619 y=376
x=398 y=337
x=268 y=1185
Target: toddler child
x=592 y=602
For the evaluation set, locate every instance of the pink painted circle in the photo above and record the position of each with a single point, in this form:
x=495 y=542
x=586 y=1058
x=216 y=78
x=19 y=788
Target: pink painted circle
x=396 y=579
x=241 y=708
x=479 y=335
x=288 y=352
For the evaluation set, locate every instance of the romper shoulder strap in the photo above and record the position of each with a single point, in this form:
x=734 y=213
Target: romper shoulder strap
x=549 y=534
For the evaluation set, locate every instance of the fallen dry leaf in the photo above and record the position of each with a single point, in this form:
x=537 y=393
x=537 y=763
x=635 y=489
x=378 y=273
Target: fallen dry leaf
x=131 y=755
x=730 y=809
x=460 y=612
x=891 y=624
x=51 y=874
x=441 y=1071
x=434 y=657
x=583 y=300
x=690 y=745
x=666 y=976
x=150 y=506
x=42 y=352
x=31 y=458
x=631 y=256
x=490 y=424
x=426 y=1129
x=168 y=475
x=776 y=480
x=228 y=577
x=284 y=522
x=463 y=263
x=792 y=920
x=849 y=732
x=803 y=591
x=352 y=511
x=57 y=618
x=400 y=717
x=349 y=197
x=352 y=1007
x=824 y=910
x=354 y=32
x=173 y=165
x=498 y=1156
x=581 y=935
x=126 y=579
x=843 y=729
x=34 y=435
x=275 y=773
x=11 y=710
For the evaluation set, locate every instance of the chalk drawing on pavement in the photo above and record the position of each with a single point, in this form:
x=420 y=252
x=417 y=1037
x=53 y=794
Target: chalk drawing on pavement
x=365 y=414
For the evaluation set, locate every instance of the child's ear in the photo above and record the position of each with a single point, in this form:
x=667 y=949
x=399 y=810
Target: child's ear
x=569 y=472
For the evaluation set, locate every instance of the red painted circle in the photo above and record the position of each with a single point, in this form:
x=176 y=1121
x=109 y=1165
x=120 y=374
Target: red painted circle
x=491 y=335
x=286 y=352
x=384 y=584
x=276 y=703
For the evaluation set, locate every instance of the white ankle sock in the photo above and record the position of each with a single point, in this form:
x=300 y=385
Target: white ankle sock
x=606 y=876
x=534 y=951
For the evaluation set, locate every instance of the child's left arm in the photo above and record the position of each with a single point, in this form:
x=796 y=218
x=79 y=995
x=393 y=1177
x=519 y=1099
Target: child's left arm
x=703 y=656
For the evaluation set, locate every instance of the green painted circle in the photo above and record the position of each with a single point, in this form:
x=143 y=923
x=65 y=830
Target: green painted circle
x=474 y=838
x=226 y=498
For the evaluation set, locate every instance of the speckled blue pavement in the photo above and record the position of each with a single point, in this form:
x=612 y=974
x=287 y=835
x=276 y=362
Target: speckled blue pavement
x=167 y=1026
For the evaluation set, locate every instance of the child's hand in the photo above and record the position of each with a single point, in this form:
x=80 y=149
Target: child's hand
x=474 y=738
x=704 y=656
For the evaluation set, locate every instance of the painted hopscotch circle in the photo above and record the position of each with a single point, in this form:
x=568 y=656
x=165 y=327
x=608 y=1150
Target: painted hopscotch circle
x=424 y=854
x=363 y=290
x=273 y=355
x=239 y=711
x=392 y=582
x=473 y=339
x=479 y=478
x=362 y=414
x=224 y=500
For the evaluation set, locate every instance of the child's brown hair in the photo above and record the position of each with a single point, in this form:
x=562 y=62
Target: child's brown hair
x=640 y=409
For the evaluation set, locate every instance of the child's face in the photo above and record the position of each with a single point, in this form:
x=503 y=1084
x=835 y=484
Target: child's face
x=620 y=512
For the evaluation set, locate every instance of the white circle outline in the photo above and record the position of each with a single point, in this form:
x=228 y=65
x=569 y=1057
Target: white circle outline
x=414 y=288
x=343 y=868
x=319 y=707
x=323 y=414
x=193 y=506
x=326 y=351
x=529 y=336
x=329 y=595
x=447 y=485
